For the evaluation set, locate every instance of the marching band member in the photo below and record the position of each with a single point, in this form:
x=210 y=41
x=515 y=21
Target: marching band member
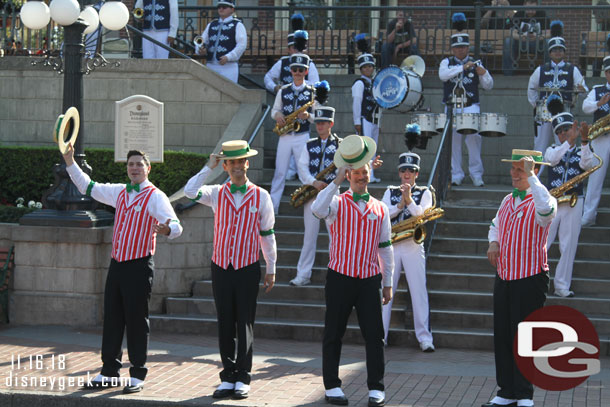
x=597 y=102
x=366 y=111
x=288 y=100
x=457 y=71
x=315 y=156
x=243 y=226
x=519 y=231
x=225 y=41
x=567 y=161
x=361 y=263
x=403 y=202
x=279 y=74
x=160 y=21
x=557 y=74
x=142 y=212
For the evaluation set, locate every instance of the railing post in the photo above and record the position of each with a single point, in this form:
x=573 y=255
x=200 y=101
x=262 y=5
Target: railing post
x=478 y=7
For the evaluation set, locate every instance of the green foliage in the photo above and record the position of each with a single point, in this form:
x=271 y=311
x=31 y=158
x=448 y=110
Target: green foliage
x=11 y=214
x=27 y=171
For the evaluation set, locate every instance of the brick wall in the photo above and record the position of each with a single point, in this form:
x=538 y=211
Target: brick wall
x=574 y=21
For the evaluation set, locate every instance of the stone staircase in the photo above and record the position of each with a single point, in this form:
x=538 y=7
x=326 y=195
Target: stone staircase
x=460 y=281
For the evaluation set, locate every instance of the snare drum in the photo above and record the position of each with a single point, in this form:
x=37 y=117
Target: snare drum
x=393 y=86
x=441 y=118
x=427 y=123
x=467 y=123
x=493 y=124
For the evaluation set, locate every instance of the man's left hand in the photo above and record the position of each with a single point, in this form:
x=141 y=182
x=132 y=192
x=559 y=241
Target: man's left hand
x=170 y=41
x=387 y=294
x=377 y=162
x=269 y=282
x=223 y=60
x=162 y=228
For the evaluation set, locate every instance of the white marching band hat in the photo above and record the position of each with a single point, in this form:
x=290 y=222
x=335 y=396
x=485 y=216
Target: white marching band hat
x=562 y=119
x=225 y=3
x=324 y=114
x=299 y=60
x=409 y=160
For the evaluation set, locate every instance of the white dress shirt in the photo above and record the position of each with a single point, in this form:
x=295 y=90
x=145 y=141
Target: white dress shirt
x=357 y=95
x=173 y=17
x=241 y=39
x=272 y=77
x=325 y=207
x=414 y=209
x=209 y=197
x=554 y=154
x=159 y=206
x=534 y=82
x=589 y=105
x=446 y=73
x=544 y=203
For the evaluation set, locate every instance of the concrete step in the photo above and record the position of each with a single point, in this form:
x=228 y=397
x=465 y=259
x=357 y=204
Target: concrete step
x=467 y=229
x=480 y=264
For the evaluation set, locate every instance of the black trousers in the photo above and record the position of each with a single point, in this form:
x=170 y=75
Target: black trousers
x=126 y=297
x=342 y=294
x=513 y=302
x=235 y=293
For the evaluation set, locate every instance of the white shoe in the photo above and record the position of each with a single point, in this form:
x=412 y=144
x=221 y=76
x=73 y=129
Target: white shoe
x=299 y=281
x=564 y=293
x=426 y=347
x=478 y=182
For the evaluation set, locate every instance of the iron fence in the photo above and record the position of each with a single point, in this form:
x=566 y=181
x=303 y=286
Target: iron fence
x=516 y=46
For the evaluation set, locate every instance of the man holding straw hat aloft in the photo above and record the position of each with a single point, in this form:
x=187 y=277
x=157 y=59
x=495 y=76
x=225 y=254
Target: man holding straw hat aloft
x=360 y=267
x=519 y=232
x=243 y=226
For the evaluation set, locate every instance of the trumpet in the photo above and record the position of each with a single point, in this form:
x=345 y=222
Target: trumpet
x=198 y=40
x=138 y=13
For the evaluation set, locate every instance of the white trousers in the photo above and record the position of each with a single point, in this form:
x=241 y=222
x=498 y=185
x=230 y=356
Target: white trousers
x=371 y=130
x=567 y=224
x=310 y=240
x=230 y=70
x=410 y=257
x=545 y=137
x=601 y=146
x=287 y=146
x=473 y=143
x=152 y=51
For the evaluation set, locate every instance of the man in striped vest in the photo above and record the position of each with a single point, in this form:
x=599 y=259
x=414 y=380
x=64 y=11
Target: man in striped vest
x=360 y=267
x=517 y=249
x=142 y=212
x=243 y=226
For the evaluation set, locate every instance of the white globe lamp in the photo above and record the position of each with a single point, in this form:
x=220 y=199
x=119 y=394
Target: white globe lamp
x=35 y=14
x=114 y=15
x=89 y=14
x=65 y=12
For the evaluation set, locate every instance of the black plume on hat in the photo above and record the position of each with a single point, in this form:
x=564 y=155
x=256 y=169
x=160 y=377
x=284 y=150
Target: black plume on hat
x=458 y=21
x=556 y=28
x=300 y=40
x=412 y=135
x=297 y=21
x=322 y=90
x=362 y=43
x=554 y=105
x=608 y=43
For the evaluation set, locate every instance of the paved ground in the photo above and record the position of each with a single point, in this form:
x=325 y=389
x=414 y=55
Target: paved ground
x=184 y=371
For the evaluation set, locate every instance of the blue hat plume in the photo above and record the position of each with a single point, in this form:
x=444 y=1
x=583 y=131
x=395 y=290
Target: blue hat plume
x=458 y=21
x=322 y=90
x=297 y=22
x=556 y=28
x=300 y=40
x=554 y=104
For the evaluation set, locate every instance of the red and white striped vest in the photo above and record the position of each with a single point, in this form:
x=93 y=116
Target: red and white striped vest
x=237 y=231
x=522 y=240
x=355 y=237
x=133 y=236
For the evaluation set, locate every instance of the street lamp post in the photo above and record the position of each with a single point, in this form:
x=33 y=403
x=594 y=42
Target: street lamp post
x=65 y=205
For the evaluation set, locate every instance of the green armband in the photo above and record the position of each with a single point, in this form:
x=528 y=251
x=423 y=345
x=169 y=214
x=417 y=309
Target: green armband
x=197 y=197
x=547 y=214
x=385 y=244
x=89 y=188
x=267 y=232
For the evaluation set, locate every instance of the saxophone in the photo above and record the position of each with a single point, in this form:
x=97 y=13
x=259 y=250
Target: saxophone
x=291 y=120
x=307 y=192
x=572 y=199
x=600 y=127
x=414 y=227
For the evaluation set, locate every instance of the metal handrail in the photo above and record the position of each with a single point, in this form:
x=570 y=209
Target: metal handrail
x=179 y=208
x=158 y=43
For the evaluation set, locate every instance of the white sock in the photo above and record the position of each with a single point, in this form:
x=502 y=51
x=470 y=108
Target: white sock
x=335 y=392
x=502 y=401
x=242 y=386
x=378 y=394
x=525 y=403
x=226 y=386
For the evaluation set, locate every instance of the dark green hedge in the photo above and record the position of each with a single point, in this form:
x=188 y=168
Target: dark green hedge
x=11 y=214
x=27 y=171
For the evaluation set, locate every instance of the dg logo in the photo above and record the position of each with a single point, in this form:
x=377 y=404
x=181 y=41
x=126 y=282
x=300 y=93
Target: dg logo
x=560 y=119
x=319 y=113
x=459 y=39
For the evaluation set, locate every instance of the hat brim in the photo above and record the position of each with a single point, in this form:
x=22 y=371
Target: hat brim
x=250 y=153
x=506 y=160
x=73 y=116
x=340 y=162
x=415 y=167
x=299 y=65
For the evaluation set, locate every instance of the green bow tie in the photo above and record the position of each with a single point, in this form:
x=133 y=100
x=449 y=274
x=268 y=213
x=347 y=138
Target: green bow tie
x=520 y=194
x=235 y=188
x=135 y=187
x=365 y=197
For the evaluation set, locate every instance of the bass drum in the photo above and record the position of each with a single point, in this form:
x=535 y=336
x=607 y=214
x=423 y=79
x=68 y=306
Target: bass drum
x=467 y=123
x=394 y=86
x=493 y=124
x=427 y=123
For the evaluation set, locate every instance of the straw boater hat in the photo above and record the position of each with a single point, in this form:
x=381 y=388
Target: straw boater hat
x=355 y=150
x=517 y=155
x=61 y=128
x=236 y=149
